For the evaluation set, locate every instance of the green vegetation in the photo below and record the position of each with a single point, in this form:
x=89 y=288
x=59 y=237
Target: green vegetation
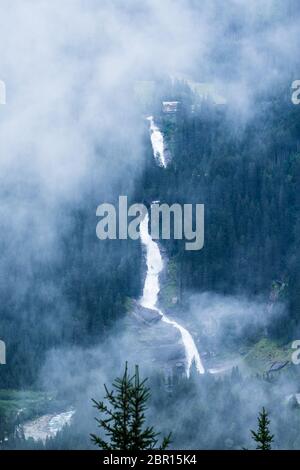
x=124 y=416
x=264 y=353
x=247 y=180
x=169 y=294
x=128 y=304
x=263 y=437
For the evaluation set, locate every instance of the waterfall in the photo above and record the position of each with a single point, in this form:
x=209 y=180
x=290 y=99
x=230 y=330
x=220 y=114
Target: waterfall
x=157 y=141
x=155 y=265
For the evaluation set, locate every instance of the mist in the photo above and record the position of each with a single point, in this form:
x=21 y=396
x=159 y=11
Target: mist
x=74 y=135
x=69 y=69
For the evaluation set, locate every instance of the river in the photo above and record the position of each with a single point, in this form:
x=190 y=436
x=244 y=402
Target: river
x=46 y=426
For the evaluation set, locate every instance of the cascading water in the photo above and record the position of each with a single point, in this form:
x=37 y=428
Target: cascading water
x=155 y=266
x=150 y=295
x=157 y=141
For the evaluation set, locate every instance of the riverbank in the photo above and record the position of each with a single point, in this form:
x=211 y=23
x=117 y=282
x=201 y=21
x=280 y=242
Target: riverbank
x=20 y=408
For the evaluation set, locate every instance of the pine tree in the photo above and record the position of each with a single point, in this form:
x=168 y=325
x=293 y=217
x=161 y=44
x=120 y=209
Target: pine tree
x=124 y=416
x=263 y=437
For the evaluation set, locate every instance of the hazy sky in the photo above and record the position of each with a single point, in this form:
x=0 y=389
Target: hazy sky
x=66 y=66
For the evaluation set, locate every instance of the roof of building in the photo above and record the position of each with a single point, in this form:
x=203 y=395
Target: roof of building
x=277 y=365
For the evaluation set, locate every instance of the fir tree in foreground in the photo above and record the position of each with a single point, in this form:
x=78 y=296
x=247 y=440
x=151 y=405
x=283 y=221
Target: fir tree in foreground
x=263 y=437
x=123 y=417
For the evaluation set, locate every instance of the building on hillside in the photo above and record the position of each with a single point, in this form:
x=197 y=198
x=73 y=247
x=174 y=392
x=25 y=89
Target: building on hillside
x=170 y=107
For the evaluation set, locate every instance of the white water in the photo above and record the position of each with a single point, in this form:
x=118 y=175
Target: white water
x=46 y=426
x=157 y=141
x=151 y=291
x=155 y=263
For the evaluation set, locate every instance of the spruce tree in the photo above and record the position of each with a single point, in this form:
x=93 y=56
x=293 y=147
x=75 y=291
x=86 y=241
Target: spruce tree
x=123 y=417
x=263 y=437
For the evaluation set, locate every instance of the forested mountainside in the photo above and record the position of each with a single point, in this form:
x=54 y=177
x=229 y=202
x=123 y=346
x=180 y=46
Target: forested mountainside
x=246 y=172
x=64 y=287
